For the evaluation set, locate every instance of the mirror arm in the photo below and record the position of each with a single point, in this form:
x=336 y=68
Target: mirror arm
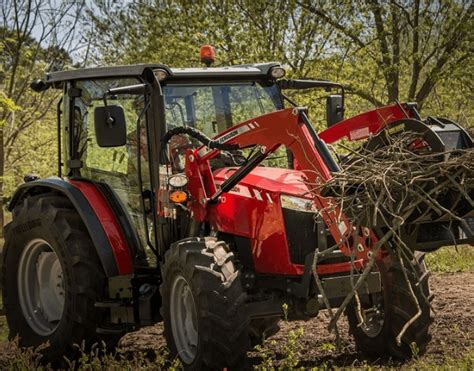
x=292 y=102
x=110 y=120
x=132 y=89
x=307 y=84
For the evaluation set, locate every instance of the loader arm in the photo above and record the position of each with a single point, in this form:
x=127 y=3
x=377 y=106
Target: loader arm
x=292 y=129
x=367 y=123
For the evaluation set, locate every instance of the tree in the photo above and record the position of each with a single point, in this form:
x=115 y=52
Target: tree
x=36 y=36
x=172 y=31
x=413 y=44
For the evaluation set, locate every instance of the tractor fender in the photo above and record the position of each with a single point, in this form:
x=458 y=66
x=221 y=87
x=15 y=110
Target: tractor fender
x=96 y=214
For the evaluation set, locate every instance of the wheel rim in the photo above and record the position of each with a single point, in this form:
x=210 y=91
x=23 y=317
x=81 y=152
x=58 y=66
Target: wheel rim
x=373 y=319
x=183 y=319
x=41 y=287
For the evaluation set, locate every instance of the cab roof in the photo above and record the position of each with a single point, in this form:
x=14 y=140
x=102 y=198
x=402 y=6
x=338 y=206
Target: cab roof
x=239 y=71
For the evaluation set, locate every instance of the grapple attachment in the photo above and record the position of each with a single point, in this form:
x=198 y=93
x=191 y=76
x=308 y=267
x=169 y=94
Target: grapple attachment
x=415 y=177
x=445 y=213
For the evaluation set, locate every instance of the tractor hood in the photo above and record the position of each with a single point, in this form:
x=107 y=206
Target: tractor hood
x=268 y=179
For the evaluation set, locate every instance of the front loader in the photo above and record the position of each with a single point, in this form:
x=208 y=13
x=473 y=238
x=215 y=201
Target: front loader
x=195 y=197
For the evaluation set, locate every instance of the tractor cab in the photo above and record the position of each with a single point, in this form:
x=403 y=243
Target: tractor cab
x=112 y=120
x=125 y=156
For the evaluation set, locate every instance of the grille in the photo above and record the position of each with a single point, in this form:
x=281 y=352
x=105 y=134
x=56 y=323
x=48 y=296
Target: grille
x=302 y=236
x=301 y=233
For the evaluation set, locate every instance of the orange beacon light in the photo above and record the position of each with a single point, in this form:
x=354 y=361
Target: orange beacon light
x=207 y=54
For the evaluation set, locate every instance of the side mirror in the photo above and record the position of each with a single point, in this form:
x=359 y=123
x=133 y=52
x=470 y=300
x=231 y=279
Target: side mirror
x=334 y=109
x=110 y=127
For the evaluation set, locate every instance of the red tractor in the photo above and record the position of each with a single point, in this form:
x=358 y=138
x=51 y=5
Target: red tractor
x=151 y=220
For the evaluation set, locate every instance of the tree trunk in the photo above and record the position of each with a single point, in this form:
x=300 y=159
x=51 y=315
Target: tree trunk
x=2 y=168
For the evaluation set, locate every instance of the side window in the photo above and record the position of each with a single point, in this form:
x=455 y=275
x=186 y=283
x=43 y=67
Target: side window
x=95 y=158
x=117 y=166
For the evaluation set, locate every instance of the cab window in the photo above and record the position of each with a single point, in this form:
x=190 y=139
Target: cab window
x=213 y=108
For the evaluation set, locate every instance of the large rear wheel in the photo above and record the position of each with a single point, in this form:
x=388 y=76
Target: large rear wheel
x=204 y=314
x=52 y=277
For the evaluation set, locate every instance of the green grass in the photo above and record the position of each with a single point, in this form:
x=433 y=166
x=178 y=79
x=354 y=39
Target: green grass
x=451 y=260
x=464 y=362
x=14 y=358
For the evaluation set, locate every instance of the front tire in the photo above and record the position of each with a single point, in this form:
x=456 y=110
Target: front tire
x=51 y=278
x=205 y=321
x=376 y=337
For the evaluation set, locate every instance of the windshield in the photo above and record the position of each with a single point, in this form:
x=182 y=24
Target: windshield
x=213 y=108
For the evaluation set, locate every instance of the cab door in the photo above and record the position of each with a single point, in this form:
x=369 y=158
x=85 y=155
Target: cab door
x=122 y=171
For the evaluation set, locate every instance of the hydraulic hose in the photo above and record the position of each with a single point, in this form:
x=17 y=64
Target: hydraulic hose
x=200 y=136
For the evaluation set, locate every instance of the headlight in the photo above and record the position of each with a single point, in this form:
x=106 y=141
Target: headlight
x=297 y=203
x=178 y=180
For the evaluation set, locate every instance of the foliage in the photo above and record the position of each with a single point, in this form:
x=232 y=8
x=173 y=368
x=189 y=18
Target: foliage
x=408 y=50
x=412 y=44
x=242 y=31
x=36 y=37
x=267 y=357
x=451 y=259
x=7 y=105
x=12 y=357
x=292 y=348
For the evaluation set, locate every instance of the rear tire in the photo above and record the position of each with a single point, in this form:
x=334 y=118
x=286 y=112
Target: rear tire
x=209 y=325
x=48 y=245
x=397 y=307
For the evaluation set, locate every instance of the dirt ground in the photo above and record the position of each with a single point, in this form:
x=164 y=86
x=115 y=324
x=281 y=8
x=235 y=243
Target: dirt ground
x=452 y=332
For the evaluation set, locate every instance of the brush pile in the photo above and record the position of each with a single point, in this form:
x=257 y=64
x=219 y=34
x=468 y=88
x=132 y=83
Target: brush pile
x=396 y=185
x=392 y=190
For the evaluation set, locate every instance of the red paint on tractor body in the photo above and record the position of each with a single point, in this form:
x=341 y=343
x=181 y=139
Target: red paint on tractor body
x=252 y=209
x=109 y=222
